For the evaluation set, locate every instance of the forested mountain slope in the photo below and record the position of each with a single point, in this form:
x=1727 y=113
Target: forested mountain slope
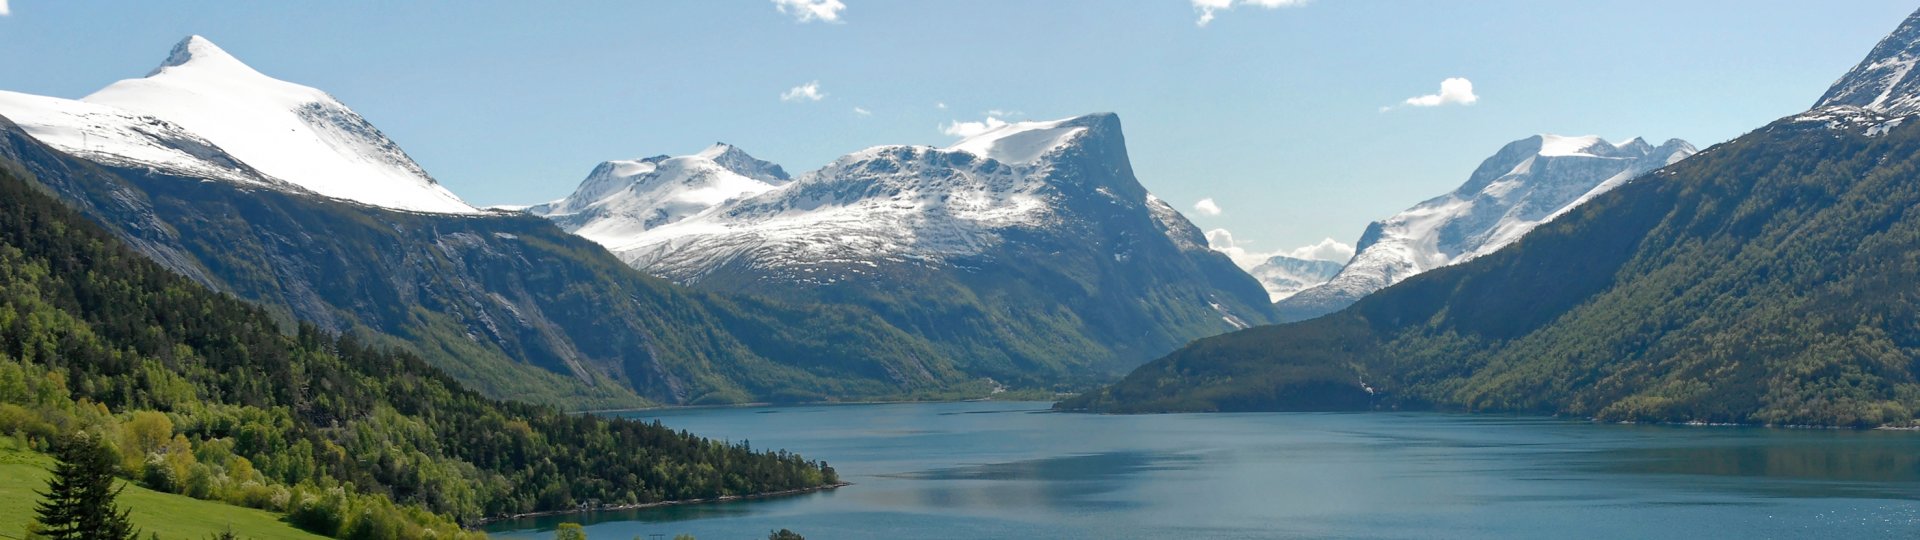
x=205 y=395
x=1773 y=279
x=508 y=304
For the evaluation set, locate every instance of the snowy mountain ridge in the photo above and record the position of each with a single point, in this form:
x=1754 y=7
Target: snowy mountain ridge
x=1285 y=276
x=624 y=198
x=886 y=203
x=1884 y=82
x=1030 y=232
x=204 y=113
x=1528 y=182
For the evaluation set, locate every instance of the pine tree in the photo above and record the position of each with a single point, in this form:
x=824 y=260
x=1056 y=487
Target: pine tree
x=78 y=502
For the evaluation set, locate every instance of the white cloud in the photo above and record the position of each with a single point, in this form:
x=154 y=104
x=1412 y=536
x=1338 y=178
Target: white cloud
x=942 y=105
x=1325 y=250
x=1453 y=91
x=806 y=92
x=812 y=10
x=1208 y=8
x=963 y=130
x=1207 y=207
x=1222 y=241
x=3 y=9
x=862 y=111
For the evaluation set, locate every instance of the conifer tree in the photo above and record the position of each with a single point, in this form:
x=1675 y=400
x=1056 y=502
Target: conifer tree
x=79 y=501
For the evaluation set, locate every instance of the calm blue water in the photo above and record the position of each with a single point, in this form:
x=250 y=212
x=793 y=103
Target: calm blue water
x=1012 y=470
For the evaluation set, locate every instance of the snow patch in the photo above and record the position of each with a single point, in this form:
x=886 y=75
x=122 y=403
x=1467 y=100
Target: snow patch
x=1020 y=142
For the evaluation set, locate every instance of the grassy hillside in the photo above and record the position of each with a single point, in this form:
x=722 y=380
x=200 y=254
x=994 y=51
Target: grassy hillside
x=24 y=473
x=1773 y=279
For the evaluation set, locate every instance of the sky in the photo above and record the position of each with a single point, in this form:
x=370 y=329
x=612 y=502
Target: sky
x=1286 y=122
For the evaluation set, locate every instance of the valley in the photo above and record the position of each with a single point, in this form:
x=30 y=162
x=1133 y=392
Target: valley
x=229 y=302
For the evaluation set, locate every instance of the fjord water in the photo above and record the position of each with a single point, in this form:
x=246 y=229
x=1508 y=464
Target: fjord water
x=1015 y=470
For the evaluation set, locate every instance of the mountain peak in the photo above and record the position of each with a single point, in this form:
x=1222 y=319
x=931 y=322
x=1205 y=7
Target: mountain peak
x=284 y=130
x=1884 y=81
x=197 y=50
x=740 y=162
x=1026 y=142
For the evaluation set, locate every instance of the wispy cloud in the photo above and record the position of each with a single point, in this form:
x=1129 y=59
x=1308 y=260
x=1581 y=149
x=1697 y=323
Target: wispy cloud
x=862 y=111
x=963 y=130
x=942 y=105
x=806 y=92
x=1207 y=207
x=1208 y=8
x=812 y=10
x=3 y=9
x=1453 y=91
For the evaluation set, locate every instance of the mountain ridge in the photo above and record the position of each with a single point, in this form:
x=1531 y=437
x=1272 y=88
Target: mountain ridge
x=1014 y=234
x=1526 y=183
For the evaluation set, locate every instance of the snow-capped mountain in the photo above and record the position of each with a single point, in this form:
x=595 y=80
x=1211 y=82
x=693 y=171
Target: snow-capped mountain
x=621 y=199
x=1528 y=182
x=1878 y=94
x=1285 y=276
x=116 y=137
x=1884 y=82
x=887 y=203
x=205 y=114
x=1043 y=215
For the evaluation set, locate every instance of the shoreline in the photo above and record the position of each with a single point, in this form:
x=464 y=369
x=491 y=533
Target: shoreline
x=1589 y=419
x=804 y=404
x=482 y=522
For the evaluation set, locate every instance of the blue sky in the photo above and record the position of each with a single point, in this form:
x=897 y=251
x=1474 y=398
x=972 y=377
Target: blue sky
x=1274 y=113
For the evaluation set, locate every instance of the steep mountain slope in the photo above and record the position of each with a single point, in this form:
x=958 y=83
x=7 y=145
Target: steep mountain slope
x=508 y=304
x=272 y=133
x=113 y=136
x=1526 y=183
x=1885 y=83
x=1030 y=251
x=96 y=338
x=1771 y=279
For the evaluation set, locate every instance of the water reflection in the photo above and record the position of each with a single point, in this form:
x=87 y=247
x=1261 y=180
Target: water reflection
x=993 y=470
x=1074 y=468
x=1065 y=483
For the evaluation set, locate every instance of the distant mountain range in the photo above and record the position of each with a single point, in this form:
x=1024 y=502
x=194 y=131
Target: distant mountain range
x=1285 y=276
x=1770 y=280
x=1030 y=251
